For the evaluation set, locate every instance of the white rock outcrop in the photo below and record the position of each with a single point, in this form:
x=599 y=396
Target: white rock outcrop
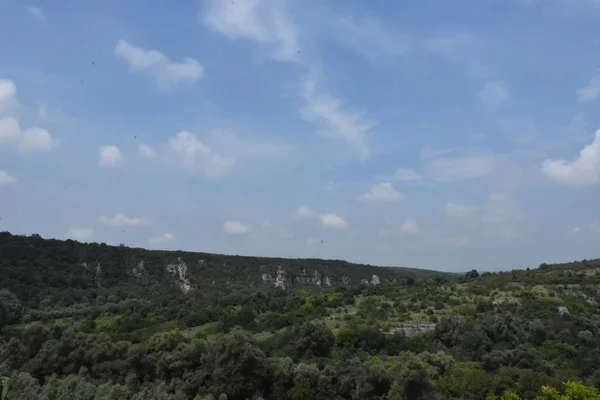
x=180 y=271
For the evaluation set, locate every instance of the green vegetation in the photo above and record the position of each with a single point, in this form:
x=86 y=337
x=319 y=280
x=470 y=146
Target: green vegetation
x=71 y=330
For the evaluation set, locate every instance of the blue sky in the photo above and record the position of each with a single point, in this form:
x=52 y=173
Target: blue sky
x=435 y=134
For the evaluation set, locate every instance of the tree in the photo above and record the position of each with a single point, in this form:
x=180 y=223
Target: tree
x=472 y=274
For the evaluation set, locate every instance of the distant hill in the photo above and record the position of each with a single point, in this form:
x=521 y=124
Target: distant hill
x=33 y=267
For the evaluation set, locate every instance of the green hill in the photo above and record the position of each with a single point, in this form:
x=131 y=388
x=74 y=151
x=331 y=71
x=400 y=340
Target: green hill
x=34 y=267
x=90 y=321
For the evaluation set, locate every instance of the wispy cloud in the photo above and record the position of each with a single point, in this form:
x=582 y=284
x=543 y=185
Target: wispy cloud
x=121 y=219
x=36 y=12
x=268 y=22
x=493 y=94
x=146 y=151
x=382 y=192
x=304 y=212
x=198 y=158
x=264 y=21
x=5 y=178
x=334 y=119
x=410 y=227
x=166 y=73
x=589 y=92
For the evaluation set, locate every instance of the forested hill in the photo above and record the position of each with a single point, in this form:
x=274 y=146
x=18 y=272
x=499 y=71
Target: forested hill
x=95 y=322
x=31 y=264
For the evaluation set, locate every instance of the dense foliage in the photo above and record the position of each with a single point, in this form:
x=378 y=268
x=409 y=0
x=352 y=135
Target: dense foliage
x=514 y=335
x=64 y=271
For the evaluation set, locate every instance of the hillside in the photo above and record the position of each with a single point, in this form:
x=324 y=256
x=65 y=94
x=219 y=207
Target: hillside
x=118 y=333
x=32 y=265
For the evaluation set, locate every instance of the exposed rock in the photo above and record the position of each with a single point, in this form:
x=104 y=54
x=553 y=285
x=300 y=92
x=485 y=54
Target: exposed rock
x=316 y=280
x=375 y=280
x=139 y=270
x=303 y=279
x=563 y=310
x=280 y=280
x=98 y=273
x=327 y=281
x=267 y=278
x=411 y=330
x=345 y=280
x=180 y=271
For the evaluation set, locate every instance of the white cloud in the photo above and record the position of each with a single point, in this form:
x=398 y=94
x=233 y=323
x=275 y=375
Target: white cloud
x=304 y=212
x=10 y=131
x=459 y=168
x=163 y=239
x=146 y=151
x=33 y=140
x=123 y=220
x=165 y=72
x=263 y=21
x=36 y=140
x=410 y=227
x=235 y=228
x=493 y=94
x=382 y=192
x=582 y=171
x=333 y=221
x=335 y=122
x=574 y=231
x=459 y=211
x=5 y=178
x=81 y=234
x=110 y=156
x=590 y=92
x=459 y=241
x=199 y=158
x=36 y=12
x=403 y=174
x=8 y=90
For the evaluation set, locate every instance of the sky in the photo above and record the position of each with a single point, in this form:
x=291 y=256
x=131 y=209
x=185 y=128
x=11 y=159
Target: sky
x=446 y=135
